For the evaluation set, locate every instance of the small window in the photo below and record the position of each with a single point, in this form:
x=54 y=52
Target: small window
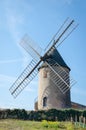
x=44 y=101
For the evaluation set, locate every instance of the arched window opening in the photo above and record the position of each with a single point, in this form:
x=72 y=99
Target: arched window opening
x=44 y=101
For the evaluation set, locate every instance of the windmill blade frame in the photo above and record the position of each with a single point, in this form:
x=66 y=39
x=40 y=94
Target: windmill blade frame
x=60 y=78
x=31 y=47
x=69 y=33
x=60 y=33
x=25 y=78
x=57 y=40
x=53 y=38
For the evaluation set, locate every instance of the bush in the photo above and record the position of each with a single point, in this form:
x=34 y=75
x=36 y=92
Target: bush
x=45 y=123
x=49 y=124
x=49 y=115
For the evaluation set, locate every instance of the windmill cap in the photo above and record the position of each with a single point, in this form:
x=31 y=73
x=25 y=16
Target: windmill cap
x=55 y=57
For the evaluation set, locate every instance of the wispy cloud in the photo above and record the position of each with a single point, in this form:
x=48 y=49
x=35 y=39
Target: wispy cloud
x=14 y=21
x=23 y=61
x=78 y=91
x=32 y=86
x=30 y=89
x=16 y=17
x=11 y=61
x=6 y=78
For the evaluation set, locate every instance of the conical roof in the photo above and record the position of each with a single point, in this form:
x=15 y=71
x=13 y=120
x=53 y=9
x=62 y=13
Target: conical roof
x=55 y=56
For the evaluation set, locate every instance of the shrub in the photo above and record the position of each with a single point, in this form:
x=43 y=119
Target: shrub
x=45 y=123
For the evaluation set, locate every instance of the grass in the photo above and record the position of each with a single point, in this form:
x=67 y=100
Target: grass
x=32 y=125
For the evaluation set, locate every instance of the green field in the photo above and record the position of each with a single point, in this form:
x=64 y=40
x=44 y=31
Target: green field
x=32 y=125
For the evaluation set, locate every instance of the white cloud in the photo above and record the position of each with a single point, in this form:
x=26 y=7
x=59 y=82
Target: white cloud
x=6 y=78
x=14 y=21
x=30 y=89
x=32 y=86
x=11 y=61
x=78 y=91
x=6 y=81
x=24 y=61
x=16 y=17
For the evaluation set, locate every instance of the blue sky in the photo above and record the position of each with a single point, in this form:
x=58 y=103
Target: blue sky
x=40 y=19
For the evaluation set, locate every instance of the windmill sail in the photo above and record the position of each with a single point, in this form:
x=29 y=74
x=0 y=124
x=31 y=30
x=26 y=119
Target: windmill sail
x=31 y=47
x=60 y=76
x=64 y=31
x=25 y=78
x=35 y=51
x=53 y=38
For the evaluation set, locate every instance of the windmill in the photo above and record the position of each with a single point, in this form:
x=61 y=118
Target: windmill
x=54 y=79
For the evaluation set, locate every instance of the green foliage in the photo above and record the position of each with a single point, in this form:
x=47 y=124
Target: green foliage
x=62 y=126
x=45 y=123
x=13 y=114
x=14 y=124
x=84 y=113
x=54 y=124
x=49 y=115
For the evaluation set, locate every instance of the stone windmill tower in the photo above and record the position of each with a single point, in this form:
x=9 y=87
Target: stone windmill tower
x=54 y=79
x=49 y=94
